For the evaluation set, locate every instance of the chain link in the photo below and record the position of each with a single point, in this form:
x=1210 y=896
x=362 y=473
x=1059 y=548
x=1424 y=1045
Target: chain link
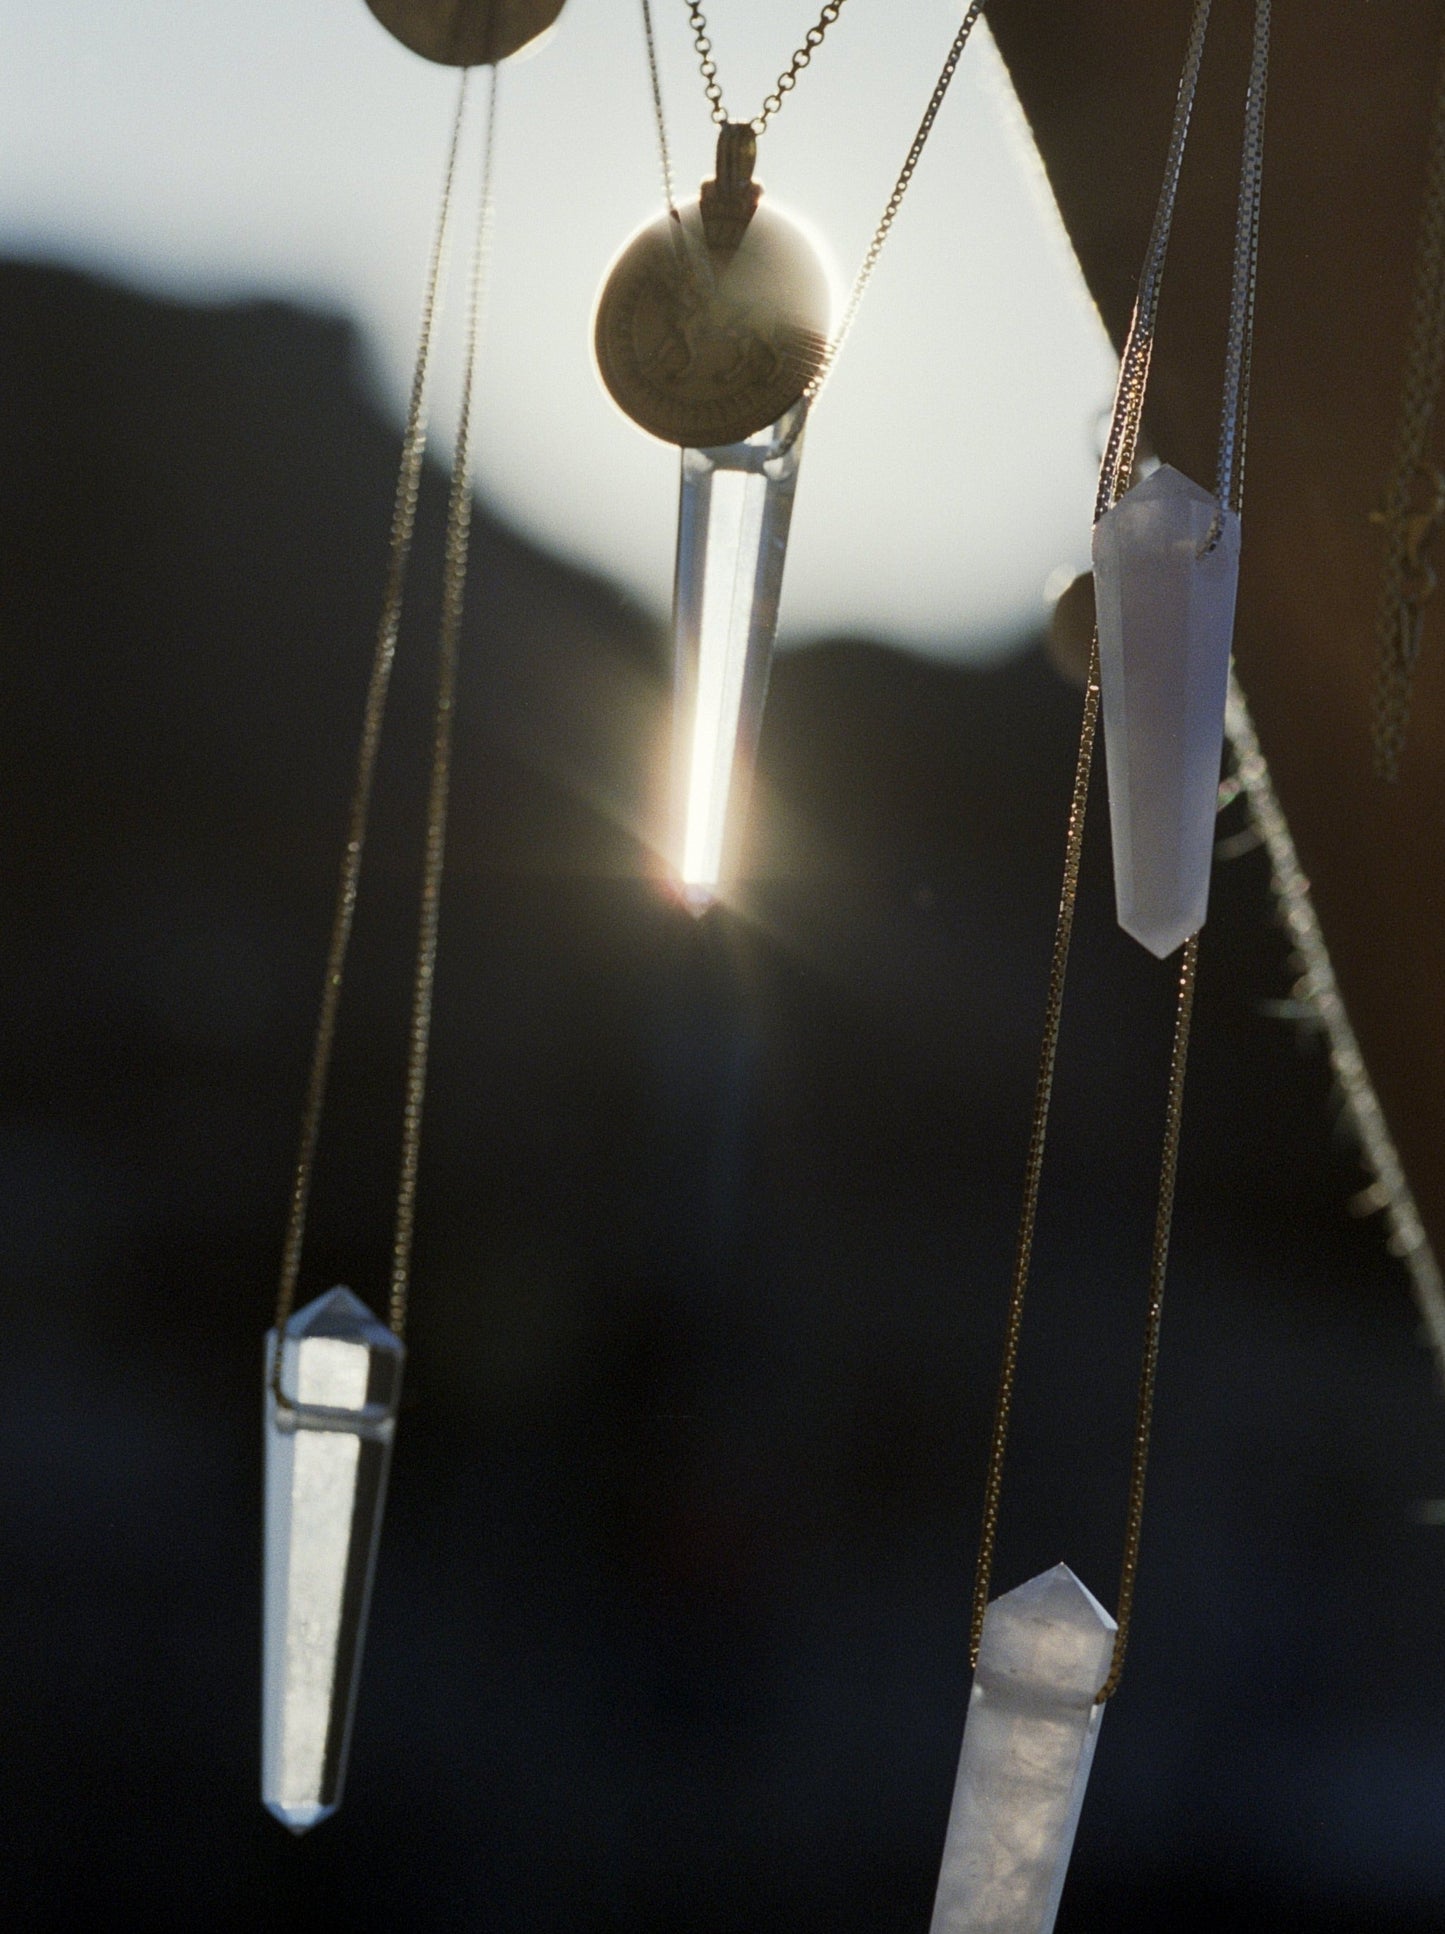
x=1399 y=616
x=785 y=82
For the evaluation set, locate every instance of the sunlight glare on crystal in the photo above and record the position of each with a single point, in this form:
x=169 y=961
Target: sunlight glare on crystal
x=736 y=506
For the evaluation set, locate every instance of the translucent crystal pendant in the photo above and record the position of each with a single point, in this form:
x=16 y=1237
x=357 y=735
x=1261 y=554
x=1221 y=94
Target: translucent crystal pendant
x=328 y=1447
x=1028 y=1744
x=1166 y=566
x=732 y=541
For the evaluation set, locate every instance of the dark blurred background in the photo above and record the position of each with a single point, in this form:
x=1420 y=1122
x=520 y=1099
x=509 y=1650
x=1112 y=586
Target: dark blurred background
x=671 y=1615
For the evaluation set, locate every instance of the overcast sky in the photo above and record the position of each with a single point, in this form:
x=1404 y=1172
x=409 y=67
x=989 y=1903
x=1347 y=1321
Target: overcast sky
x=224 y=147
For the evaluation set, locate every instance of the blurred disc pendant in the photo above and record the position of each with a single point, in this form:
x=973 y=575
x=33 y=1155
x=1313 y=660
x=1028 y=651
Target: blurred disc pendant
x=330 y=1419
x=713 y=319
x=465 y=33
x=732 y=542
x=1166 y=568
x=1028 y=1746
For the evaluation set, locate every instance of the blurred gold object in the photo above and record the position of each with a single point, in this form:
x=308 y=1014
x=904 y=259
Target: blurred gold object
x=713 y=319
x=465 y=33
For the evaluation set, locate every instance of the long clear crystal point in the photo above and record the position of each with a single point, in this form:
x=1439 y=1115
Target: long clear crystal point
x=328 y=1448
x=732 y=542
x=1028 y=1744
x=1166 y=567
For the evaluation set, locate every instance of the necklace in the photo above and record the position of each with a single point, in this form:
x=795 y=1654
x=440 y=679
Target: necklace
x=1047 y=1656
x=711 y=332
x=714 y=318
x=333 y=1371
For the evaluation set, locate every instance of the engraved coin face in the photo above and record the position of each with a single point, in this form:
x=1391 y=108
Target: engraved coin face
x=465 y=33
x=704 y=346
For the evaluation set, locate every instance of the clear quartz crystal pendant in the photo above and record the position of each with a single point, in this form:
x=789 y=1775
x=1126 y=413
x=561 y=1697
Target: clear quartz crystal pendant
x=328 y=1448
x=1028 y=1744
x=1166 y=567
x=732 y=542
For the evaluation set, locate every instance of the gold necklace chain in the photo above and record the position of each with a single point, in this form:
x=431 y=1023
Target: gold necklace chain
x=785 y=82
x=1412 y=521
x=454 y=585
x=403 y=525
x=1115 y=473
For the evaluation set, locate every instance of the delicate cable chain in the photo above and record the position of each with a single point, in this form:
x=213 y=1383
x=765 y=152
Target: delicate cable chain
x=785 y=82
x=403 y=523
x=1235 y=410
x=1399 y=616
x=656 y=79
x=1115 y=470
x=459 y=523
x=1154 y=1319
x=895 y=200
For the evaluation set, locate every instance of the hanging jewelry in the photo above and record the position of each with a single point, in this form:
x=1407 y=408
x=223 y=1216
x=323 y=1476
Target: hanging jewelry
x=1047 y=1656
x=711 y=331
x=1414 y=506
x=333 y=1371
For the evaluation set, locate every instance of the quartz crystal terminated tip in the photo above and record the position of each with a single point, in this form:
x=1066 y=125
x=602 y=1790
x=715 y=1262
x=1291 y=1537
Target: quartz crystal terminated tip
x=1028 y=1744
x=732 y=542
x=328 y=1448
x=1166 y=567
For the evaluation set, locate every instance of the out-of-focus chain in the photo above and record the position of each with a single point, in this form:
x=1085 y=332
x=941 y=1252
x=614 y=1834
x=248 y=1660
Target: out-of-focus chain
x=1414 y=506
x=454 y=585
x=785 y=82
x=403 y=523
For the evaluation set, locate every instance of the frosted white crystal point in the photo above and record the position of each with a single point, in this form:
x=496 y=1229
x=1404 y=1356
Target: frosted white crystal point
x=1166 y=568
x=732 y=543
x=1028 y=1744
x=328 y=1446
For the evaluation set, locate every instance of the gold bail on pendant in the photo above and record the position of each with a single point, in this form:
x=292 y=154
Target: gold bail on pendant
x=729 y=202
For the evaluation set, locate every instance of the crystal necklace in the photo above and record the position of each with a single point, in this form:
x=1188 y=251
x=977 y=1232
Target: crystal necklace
x=333 y=1371
x=1047 y=1656
x=712 y=332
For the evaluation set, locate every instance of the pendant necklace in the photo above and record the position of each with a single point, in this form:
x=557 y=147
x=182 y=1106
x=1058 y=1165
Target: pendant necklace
x=1047 y=1656
x=333 y=1370
x=712 y=332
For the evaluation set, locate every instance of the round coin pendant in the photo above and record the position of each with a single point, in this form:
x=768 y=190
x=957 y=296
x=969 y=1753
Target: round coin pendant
x=712 y=322
x=465 y=33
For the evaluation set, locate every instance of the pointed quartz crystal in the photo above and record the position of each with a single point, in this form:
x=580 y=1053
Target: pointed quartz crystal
x=1028 y=1744
x=328 y=1447
x=1166 y=565
x=732 y=542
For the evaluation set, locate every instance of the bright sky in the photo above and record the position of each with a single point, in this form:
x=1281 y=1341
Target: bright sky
x=228 y=147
